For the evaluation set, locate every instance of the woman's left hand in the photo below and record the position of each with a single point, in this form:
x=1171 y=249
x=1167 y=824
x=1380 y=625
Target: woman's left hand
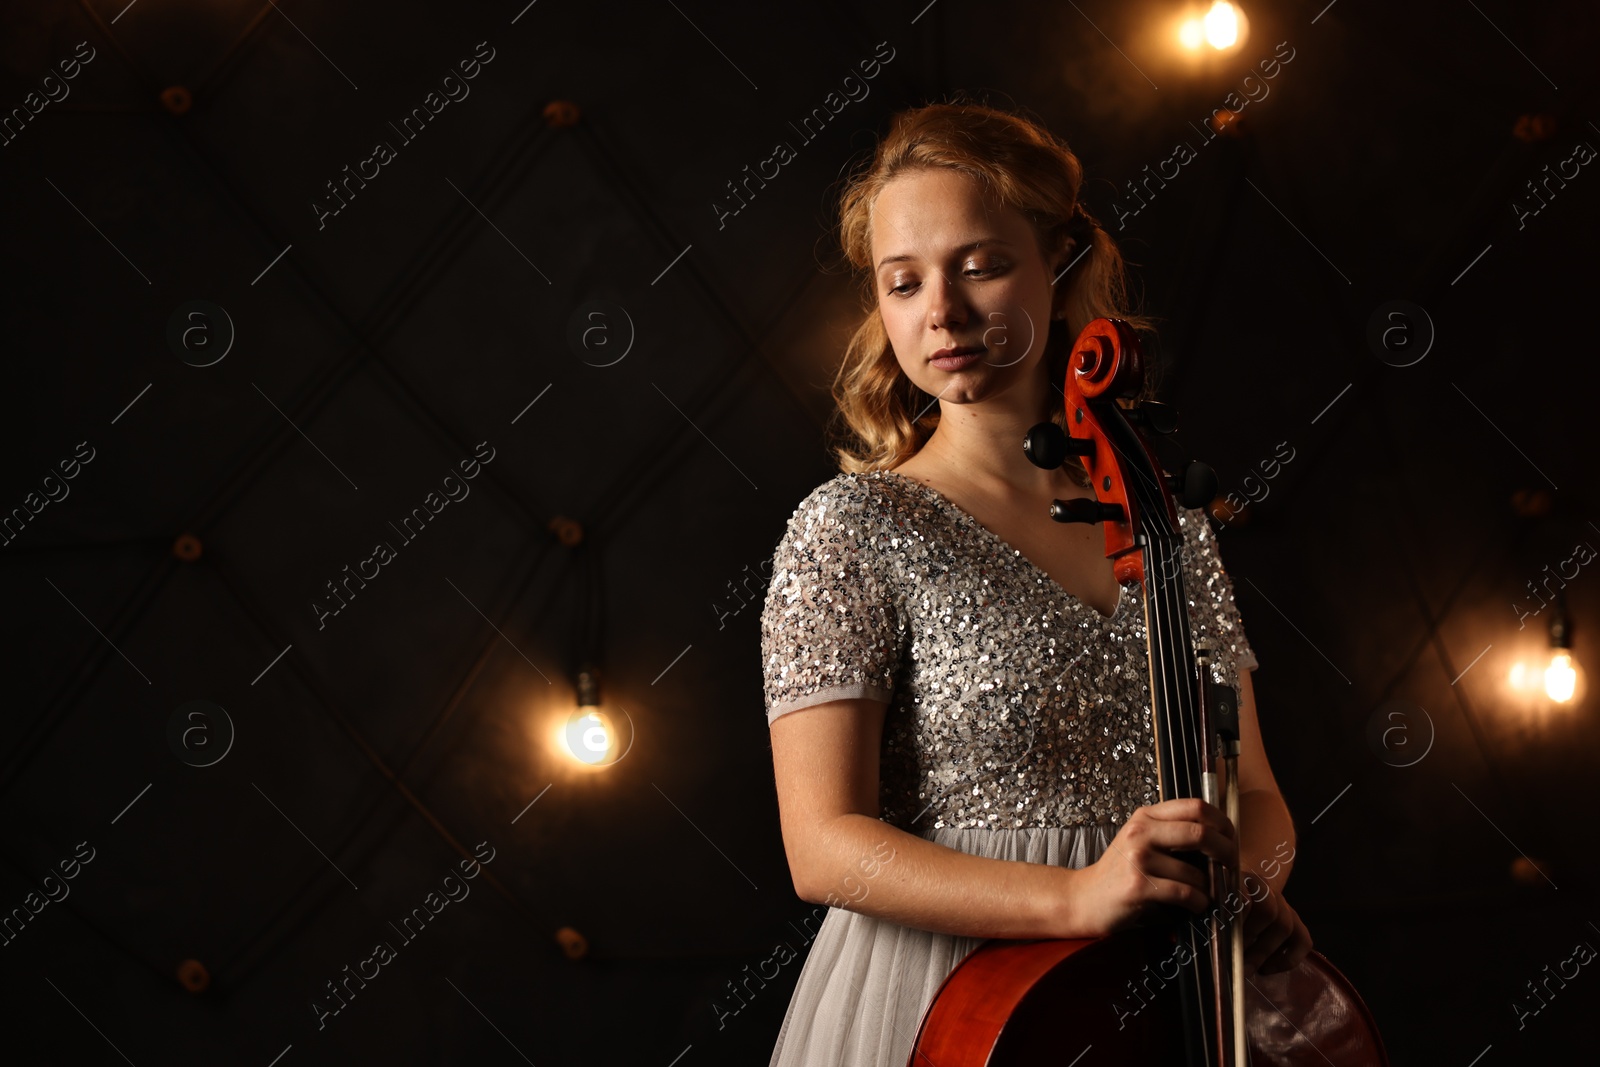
x=1274 y=937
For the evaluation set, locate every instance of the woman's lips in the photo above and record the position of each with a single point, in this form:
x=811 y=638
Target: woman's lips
x=957 y=362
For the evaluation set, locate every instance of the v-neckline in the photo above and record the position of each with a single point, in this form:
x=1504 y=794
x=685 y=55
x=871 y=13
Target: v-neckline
x=963 y=514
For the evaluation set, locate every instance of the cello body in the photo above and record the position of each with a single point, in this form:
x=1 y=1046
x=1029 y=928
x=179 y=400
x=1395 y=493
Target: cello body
x=1025 y=1003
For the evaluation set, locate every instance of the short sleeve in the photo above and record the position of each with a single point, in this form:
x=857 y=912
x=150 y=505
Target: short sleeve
x=829 y=628
x=1213 y=616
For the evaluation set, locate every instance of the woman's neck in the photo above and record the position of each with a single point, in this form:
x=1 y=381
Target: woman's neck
x=979 y=446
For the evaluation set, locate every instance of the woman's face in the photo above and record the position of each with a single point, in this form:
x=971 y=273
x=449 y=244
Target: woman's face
x=952 y=271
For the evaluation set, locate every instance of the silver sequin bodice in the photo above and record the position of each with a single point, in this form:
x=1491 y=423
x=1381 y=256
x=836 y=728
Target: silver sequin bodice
x=1010 y=703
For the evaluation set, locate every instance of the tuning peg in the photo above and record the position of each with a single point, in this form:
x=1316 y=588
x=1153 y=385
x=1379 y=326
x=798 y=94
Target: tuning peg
x=1196 y=487
x=1154 y=416
x=1047 y=445
x=1085 y=509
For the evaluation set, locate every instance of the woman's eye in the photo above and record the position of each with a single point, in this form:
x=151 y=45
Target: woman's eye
x=977 y=272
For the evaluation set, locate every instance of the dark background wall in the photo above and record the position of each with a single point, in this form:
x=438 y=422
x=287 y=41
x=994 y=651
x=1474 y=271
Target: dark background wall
x=353 y=759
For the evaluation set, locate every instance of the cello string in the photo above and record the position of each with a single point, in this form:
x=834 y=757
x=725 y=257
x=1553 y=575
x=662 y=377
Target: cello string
x=1176 y=597
x=1169 y=636
x=1178 y=646
x=1194 y=743
x=1167 y=646
x=1173 y=702
x=1183 y=728
x=1157 y=603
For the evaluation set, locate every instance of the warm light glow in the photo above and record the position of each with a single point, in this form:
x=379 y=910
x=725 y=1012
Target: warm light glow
x=1519 y=676
x=1561 y=677
x=588 y=737
x=1559 y=680
x=1221 y=27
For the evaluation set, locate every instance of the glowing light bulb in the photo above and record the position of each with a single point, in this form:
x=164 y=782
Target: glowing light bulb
x=588 y=737
x=1561 y=677
x=1221 y=25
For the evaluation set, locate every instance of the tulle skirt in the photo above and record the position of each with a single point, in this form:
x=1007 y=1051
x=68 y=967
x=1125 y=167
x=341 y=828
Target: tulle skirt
x=866 y=983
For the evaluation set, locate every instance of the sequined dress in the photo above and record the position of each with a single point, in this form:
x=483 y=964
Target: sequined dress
x=1017 y=723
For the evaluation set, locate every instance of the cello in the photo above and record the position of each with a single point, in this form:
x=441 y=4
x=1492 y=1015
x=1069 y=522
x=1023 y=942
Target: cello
x=1173 y=993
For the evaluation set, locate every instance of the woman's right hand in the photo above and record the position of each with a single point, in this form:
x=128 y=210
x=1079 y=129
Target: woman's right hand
x=1139 y=877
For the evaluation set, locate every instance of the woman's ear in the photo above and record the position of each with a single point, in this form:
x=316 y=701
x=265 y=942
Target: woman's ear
x=1062 y=259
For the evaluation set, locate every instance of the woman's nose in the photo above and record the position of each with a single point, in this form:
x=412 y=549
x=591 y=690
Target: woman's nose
x=946 y=303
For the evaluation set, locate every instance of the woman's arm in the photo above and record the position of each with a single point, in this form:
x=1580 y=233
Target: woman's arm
x=825 y=759
x=1275 y=937
x=1267 y=835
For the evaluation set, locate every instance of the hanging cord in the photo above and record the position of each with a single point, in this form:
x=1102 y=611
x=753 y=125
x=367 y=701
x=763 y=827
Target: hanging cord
x=588 y=630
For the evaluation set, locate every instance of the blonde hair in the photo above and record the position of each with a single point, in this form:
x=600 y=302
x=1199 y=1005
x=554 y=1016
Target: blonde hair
x=883 y=419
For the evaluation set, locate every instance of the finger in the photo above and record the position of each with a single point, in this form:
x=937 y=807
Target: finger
x=1269 y=942
x=1290 y=954
x=1161 y=865
x=1192 y=836
x=1192 y=809
x=1273 y=936
x=1259 y=912
x=1153 y=895
x=1176 y=894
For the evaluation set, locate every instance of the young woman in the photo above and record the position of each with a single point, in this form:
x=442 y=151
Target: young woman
x=956 y=686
